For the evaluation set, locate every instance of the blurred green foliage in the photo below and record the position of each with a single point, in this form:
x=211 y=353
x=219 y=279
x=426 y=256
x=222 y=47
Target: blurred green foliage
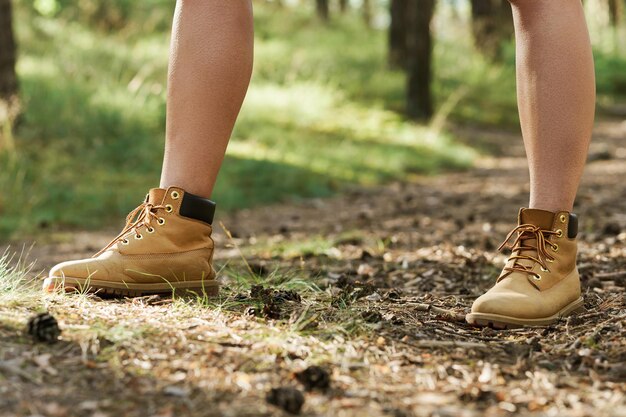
x=323 y=110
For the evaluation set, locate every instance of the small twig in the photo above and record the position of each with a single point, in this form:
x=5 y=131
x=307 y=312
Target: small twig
x=468 y=335
x=449 y=314
x=588 y=315
x=230 y=344
x=447 y=343
x=610 y=275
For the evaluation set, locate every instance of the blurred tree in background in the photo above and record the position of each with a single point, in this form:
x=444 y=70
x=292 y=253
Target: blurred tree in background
x=367 y=8
x=615 y=11
x=419 y=46
x=8 y=79
x=492 y=24
x=323 y=9
x=398 y=24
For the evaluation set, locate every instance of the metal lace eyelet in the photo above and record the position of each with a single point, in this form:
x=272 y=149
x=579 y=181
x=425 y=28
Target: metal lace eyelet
x=150 y=230
x=559 y=233
x=544 y=269
x=169 y=208
x=175 y=195
x=562 y=218
x=125 y=242
x=555 y=247
x=161 y=221
x=537 y=277
x=550 y=260
x=138 y=237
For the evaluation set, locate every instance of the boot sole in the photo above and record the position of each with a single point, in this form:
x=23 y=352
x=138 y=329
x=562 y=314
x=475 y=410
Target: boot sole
x=122 y=289
x=501 y=322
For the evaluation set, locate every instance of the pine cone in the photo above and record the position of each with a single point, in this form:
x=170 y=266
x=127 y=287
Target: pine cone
x=289 y=399
x=44 y=328
x=272 y=310
x=314 y=377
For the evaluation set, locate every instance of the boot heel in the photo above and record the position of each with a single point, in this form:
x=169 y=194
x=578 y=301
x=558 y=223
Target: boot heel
x=576 y=307
x=206 y=291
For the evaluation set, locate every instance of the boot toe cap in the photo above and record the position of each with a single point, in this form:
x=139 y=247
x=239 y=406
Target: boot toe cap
x=510 y=304
x=73 y=274
x=80 y=269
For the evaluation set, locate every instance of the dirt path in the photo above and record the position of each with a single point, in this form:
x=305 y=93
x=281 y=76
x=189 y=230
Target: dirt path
x=396 y=268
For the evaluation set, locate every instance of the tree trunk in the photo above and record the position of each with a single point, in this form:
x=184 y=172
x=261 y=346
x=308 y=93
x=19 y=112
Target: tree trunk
x=343 y=6
x=367 y=12
x=492 y=23
x=419 y=47
x=9 y=104
x=8 y=79
x=398 y=33
x=615 y=12
x=322 y=9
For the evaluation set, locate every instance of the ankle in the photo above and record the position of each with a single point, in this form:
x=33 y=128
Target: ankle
x=552 y=206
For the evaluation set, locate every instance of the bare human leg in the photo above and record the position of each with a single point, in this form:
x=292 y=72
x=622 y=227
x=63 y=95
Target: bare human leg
x=556 y=97
x=556 y=100
x=209 y=71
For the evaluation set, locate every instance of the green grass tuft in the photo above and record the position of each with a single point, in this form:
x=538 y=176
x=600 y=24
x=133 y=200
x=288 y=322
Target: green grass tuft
x=15 y=274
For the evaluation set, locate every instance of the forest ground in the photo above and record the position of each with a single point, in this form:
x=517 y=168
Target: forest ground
x=381 y=279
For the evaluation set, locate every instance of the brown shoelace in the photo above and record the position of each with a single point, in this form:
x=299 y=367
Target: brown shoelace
x=527 y=232
x=141 y=216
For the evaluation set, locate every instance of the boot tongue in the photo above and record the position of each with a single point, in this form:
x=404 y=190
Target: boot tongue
x=156 y=196
x=542 y=218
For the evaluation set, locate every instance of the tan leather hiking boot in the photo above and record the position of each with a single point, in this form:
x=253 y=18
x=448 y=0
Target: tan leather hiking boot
x=540 y=282
x=165 y=247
